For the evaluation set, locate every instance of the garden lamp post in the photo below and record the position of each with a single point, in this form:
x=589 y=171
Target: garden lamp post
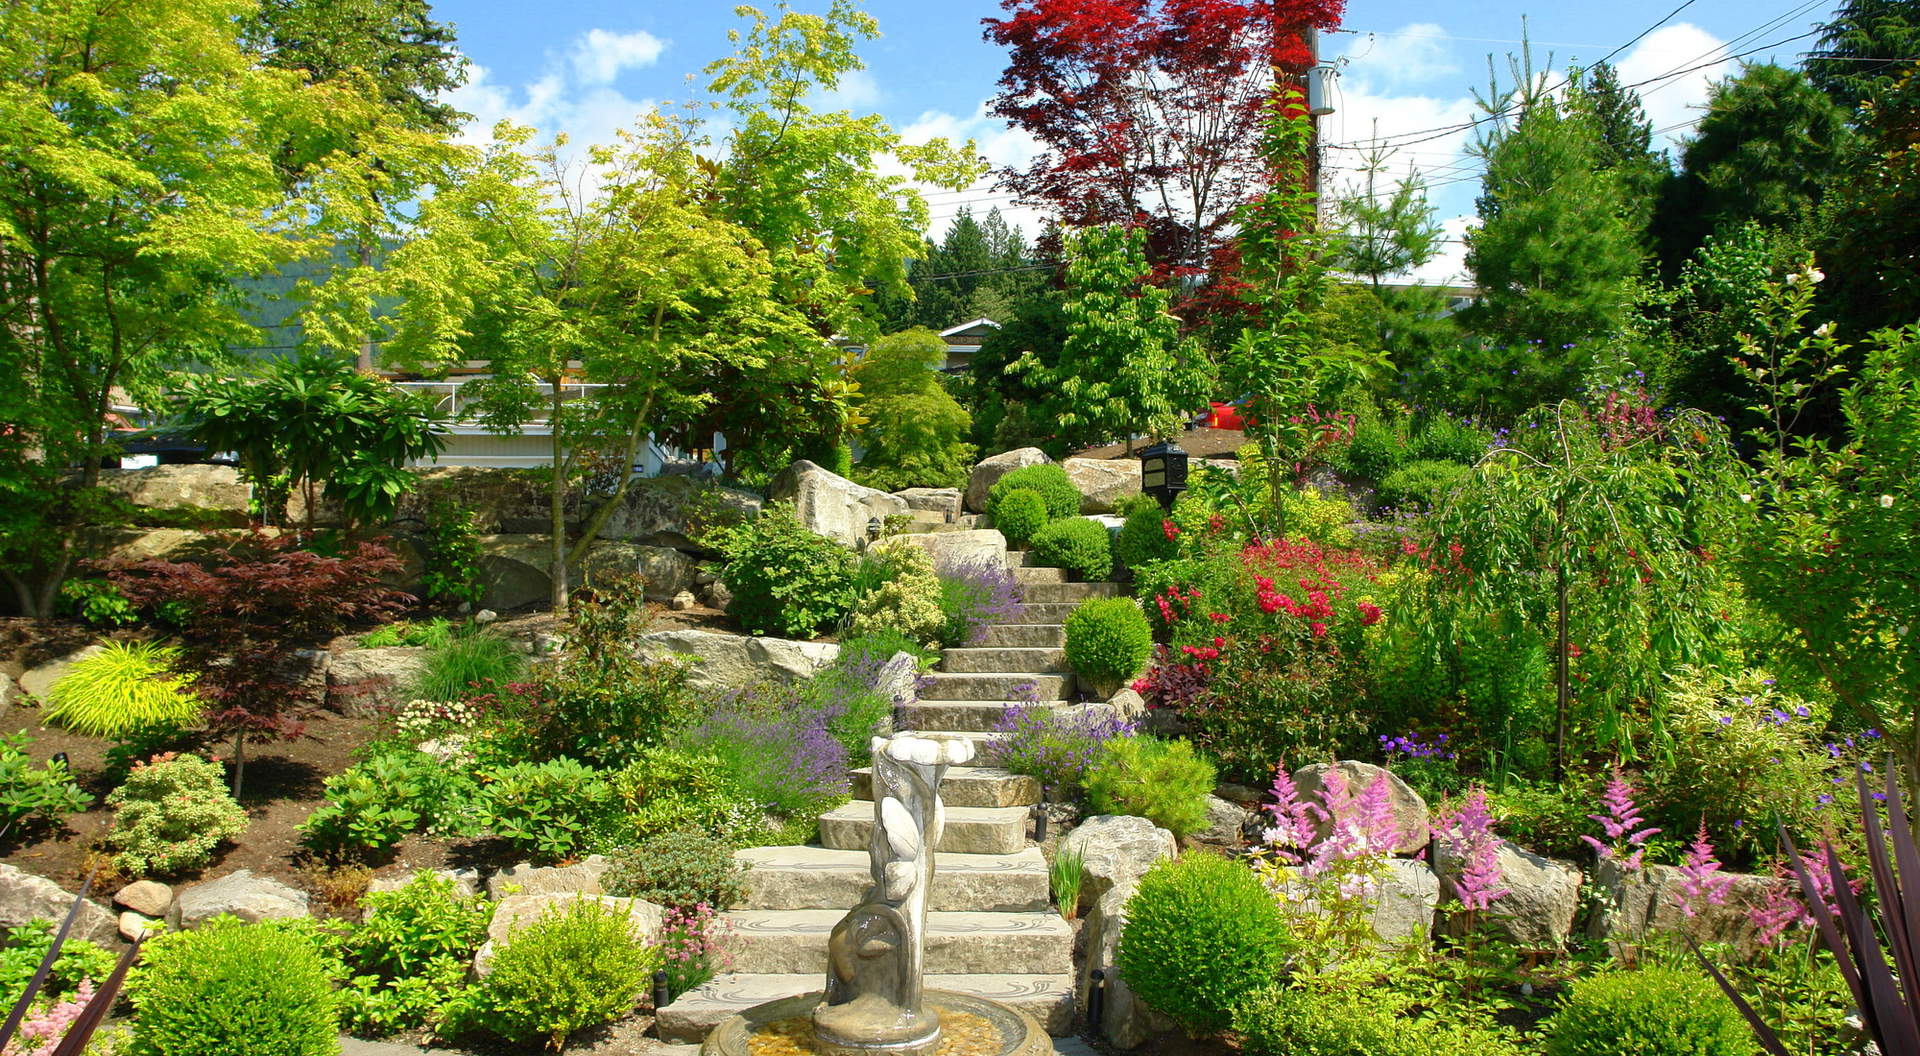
x=1163 y=472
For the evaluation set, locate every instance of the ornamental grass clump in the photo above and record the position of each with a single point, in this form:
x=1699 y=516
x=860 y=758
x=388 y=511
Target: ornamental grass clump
x=170 y=814
x=124 y=687
x=1202 y=934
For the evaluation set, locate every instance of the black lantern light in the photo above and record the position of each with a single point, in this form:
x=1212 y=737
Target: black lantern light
x=1163 y=472
x=874 y=526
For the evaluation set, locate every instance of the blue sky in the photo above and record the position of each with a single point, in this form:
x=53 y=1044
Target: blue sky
x=587 y=66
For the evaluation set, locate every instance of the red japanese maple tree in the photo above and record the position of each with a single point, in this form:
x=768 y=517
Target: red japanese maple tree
x=1149 y=110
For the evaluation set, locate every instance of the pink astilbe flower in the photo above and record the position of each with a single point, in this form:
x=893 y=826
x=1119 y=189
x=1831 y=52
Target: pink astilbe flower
x=1291 y=833
x=43 y=1030
x=1701 y=881
x=1468 y=831
x=1785 y=909
x=1622 y=824
x=1363 y=826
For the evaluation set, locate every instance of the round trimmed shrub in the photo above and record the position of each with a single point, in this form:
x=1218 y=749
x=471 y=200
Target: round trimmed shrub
x=1650 y=1012
x=785 y=580
x=1202 y=933
x=235 y=989
x=1022 y=513
x=579 y=965
x=677 y=869
x=1108 y=642
x=1165 y=782
x=170 y=814
x=1077 y=544
x=1047 y=480
x=1419 y=484
x=1143 y=537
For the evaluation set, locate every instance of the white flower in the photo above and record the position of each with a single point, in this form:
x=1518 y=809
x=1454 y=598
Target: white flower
x=1886 y=502
x=1744 y=497
x=1816 y=275
x=1793 y=278
x=1824 y=330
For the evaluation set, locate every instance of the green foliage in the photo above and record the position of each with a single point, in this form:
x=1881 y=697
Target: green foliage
x=1419 y=485
x=1166 y=782
x=43 y=792
x=1302 y=1020
x=669 y=790
x=410 y=954
x=786 y=581
x=907 y=599
x=23 y=946
x=98 y=602
x=468 y=664
x=1202 y=934
x=551 y=810
x=1108 y=642
x=236 y=989
x=170 y=815
x=1022 y=512
x=1651 y=1012
x=578 y=965
x=1143 y=537
x=434 y=633
x=915 y=433
x=1056 y=490
x=677 y=869
x=1377 y=448
x=453 y=573
x=1064 y=876
x=384 y=798
x=1443 y=438
x=123 y=687
x=1077 y=544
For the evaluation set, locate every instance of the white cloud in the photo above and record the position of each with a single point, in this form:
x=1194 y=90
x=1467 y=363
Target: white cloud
x=1001 y=145
x=1675 y=100
x=1410 y=54
x=856 y=91
x=599 y=55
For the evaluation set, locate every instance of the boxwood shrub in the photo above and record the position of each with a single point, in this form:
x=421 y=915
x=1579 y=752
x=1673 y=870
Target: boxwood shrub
x=1077 y=544
x=1047 y=480
x=1108 y=641
x=1202 y=934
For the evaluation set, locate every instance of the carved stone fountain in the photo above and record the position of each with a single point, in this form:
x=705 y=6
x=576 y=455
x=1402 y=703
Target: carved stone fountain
x=875 y=1002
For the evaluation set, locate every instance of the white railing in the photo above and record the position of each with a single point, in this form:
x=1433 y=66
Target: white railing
x=451 y=399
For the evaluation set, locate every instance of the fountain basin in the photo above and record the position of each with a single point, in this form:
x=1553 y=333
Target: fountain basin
x=970 y=1026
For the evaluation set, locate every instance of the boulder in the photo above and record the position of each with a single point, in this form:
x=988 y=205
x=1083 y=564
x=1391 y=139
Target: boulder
x=514 y=568
x=1103 y=482
x=729 y=661
x=306 y=668
x=580 y=878
x=242 y=894
x=718 y=596
x=25 y=897
x=359 y=680
x=1635 y=905
x=990 y=470
x=899 y=678
x=466 y=881
x=1543 y=895
x=6 y=689
x=130 y=545
x=1126 y=1021
x=1226 y=824
x=669 y=511
x=133 y=925
x=38 y=680
x=947 y=549
x=1409 y=894
x=667 y=572
x=1117 y=851
x=208 y=487
x=149 y=898
x=831 y=505
x=683 y=601
x=1409 y=810
x=942 y=501
x=517 y=911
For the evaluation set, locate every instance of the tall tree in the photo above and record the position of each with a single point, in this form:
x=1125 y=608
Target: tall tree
x=410 y=57
x=1148 y=110
x=1626 y=144
x=915 y=434
x=1874 y=216
x=1867 y=49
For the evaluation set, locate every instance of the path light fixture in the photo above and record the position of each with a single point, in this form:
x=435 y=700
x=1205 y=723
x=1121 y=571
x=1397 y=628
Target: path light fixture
x=873 y=529
x=1163 y=472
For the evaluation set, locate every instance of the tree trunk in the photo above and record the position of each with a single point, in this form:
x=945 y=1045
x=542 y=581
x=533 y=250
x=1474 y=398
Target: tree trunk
x=557 y=509
x=239 y=761
x=366 y=340
x=1562 y=687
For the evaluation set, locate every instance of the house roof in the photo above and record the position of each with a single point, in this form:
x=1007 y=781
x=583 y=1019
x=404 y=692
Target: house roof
x=975 y=328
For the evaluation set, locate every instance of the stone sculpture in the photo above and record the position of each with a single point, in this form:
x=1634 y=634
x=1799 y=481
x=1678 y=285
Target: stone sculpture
x=874 y=1002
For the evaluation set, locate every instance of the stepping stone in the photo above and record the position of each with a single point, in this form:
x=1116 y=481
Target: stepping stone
x=1051 y=593
x=1025 y=636
x=949 y=686
x=968 y=786
x=958 y=716
x=987 y=660
x=794 y=941
x=969 y=830
x=824 y=878
x=1046 y=612
x=1047 y=998
x=1023 y=574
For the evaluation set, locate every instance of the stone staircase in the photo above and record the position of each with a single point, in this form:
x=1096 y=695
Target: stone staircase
x=991 y=929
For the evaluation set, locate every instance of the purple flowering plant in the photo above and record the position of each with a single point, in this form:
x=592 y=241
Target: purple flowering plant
x=1059 y=750
x=975 y=595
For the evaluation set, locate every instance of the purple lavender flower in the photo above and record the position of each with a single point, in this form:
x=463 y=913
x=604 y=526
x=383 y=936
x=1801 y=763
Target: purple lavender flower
x=1622 y=824
x=1058 y=749
x=1701 y=881
x=975 y=595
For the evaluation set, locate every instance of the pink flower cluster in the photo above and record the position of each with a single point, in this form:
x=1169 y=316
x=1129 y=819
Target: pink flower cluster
x=1468 y=832
x=1361 y=825
x=1701 y=881
x=43 y=1030
x=696 y=936
x=1626 y=833
x=1784 y=907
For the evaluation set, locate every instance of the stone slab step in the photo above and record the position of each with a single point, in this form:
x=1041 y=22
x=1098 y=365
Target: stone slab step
x=1025 y=636
x=1016 y=559
x=970 y=830
x=988 y=660
x=997 y=686
x=1030 y=576
x=1051 y=593
x=1047 y=998
x=968 y=786
x=1046 y=612
x=956 y=716
x=793 y=941
x=824 y=878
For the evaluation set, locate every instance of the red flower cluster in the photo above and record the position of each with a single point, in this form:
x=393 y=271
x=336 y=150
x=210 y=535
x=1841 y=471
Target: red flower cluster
x=1176 y=603
x=1169 y=529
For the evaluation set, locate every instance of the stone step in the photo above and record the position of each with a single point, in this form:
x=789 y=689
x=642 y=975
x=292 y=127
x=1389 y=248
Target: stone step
x=794 y=941
x=987 y=660
x=956 y=716
x=1024 y=636
x=824 y=878
x=998 y=686
x=968 y=786
x=1016 y=559
x=1053 y=593
x=1047 y=998
x=1046 y=612
x=1030 y=576
x=970 y=830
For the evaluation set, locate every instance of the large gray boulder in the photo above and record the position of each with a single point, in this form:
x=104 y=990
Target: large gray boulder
x=1116 y=851
x=944 y=502
x=1126 y=1021
x=208 y=487
x=360 y=680
x=517 y=911
x=729 y=661
x=1543 y=894
x=466 y=880
x=1104 y=483
x=38 y=680
x=247 y=896
x=1226 y=823
x=984 y=546
x=1409 y=894
x=25 y=897
x=136 y=544
x=580 y=878
x=1409 y=810
x=831 y=505
x=989 y=470
x=670 y=511
x=666 y=572
x=515 y=568
x=1638 y=904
